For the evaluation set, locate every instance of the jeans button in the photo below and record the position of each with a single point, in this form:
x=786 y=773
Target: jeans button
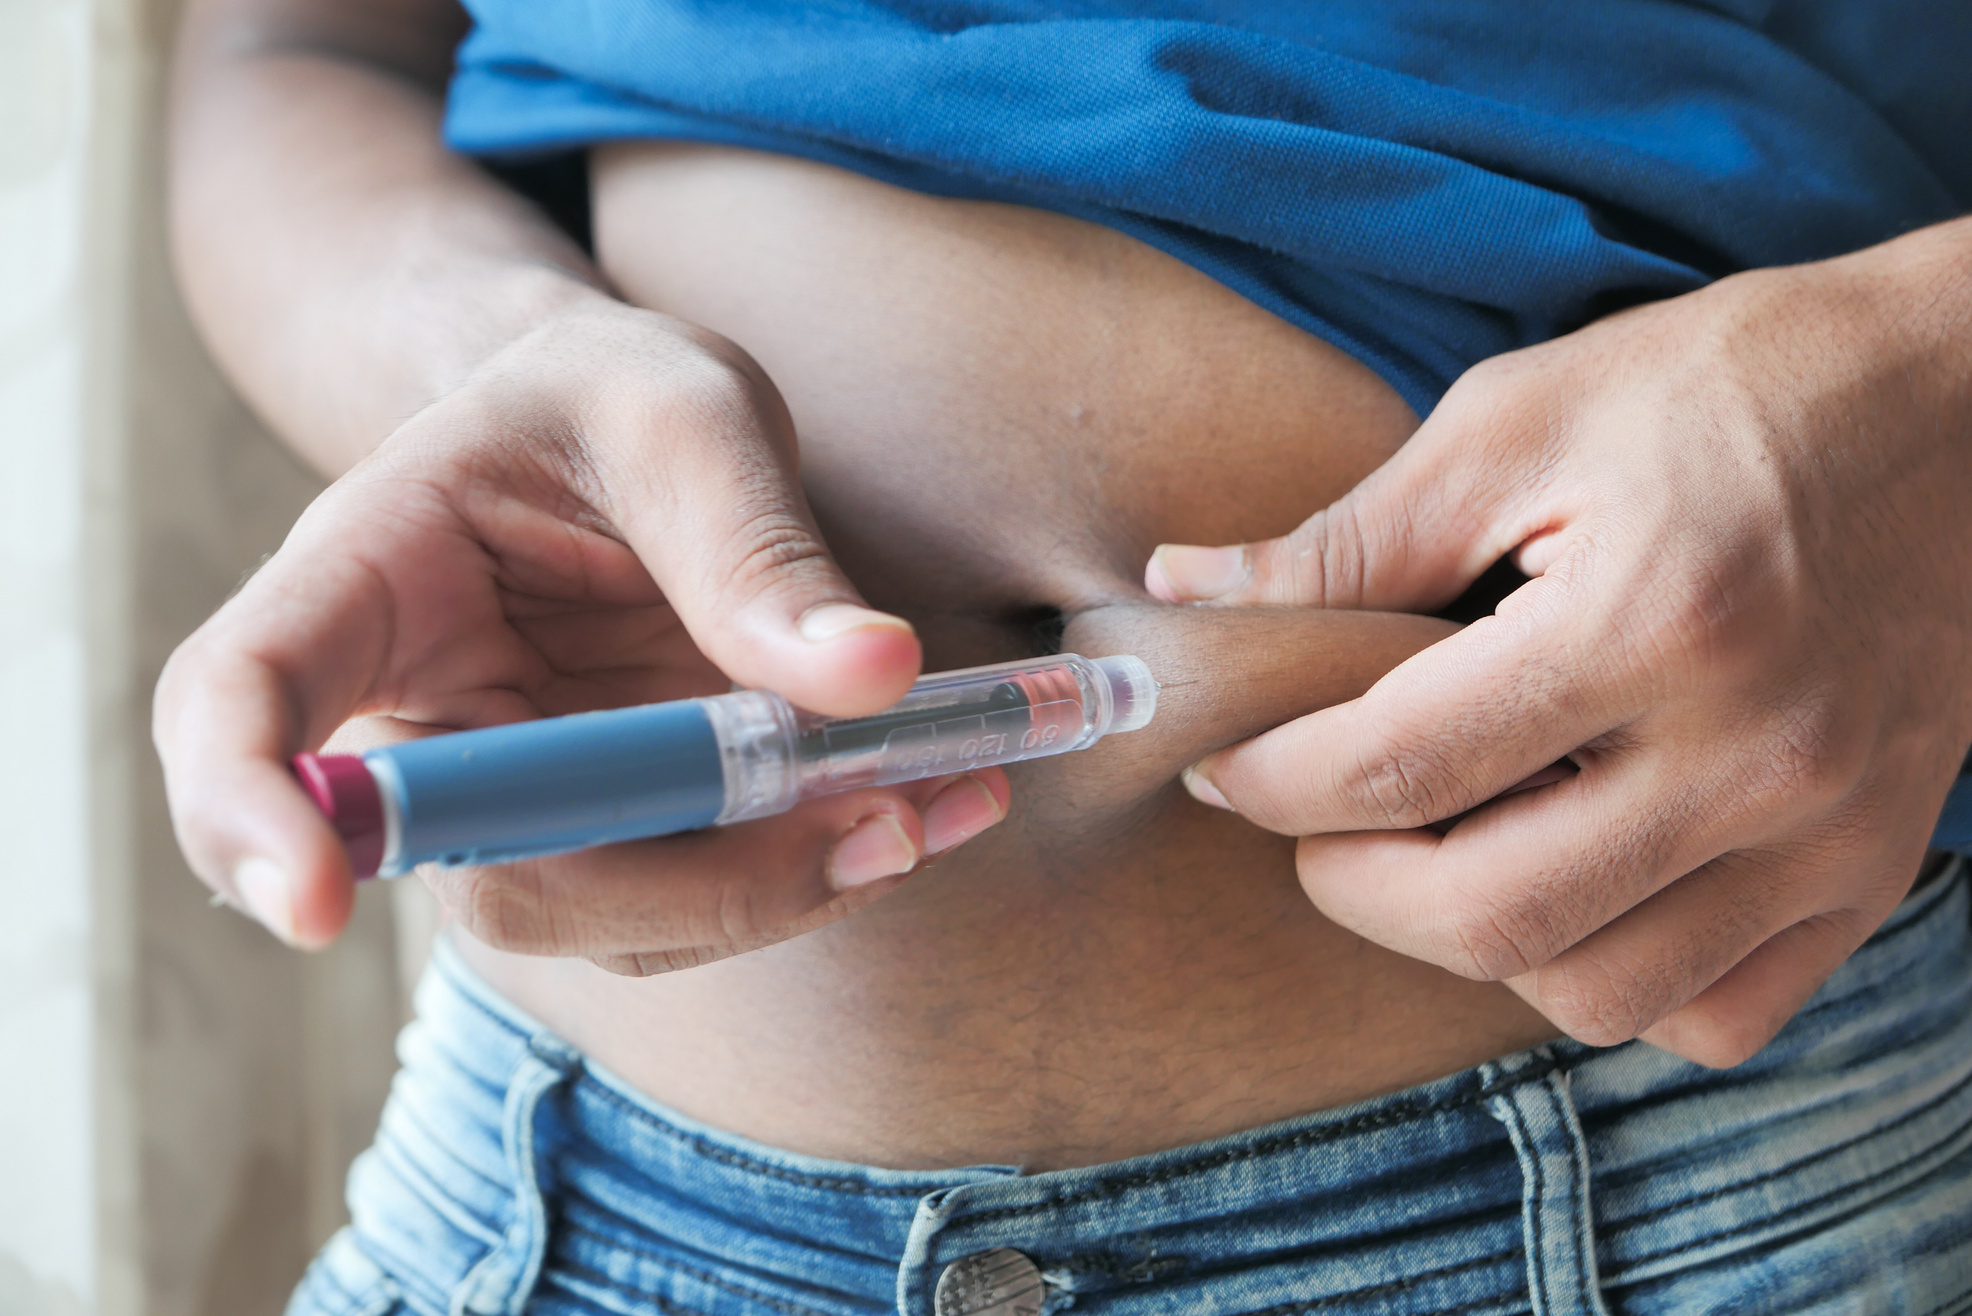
x=1001 y=1282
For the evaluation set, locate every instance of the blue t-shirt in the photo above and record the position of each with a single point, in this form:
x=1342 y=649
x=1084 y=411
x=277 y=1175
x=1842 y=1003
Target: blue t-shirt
x=1422 y=183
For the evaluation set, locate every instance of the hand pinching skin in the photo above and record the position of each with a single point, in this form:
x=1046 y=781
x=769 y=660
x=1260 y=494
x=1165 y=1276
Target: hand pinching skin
x=1750 y=625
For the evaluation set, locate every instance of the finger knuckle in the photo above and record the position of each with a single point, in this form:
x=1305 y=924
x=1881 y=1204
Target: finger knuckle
x=768 y=542
x=1401 y=787
x=1487 y=391
x=1802 y=758
x=1708 y=610
x=740 y=916
x=707 y=383
x=1596 y=1005
x=1721 y=1041
x=506 y=910
x=716 y=389
x=699 y=400
x=1485 y=943
x=1322 y=563
x=1591 y=1025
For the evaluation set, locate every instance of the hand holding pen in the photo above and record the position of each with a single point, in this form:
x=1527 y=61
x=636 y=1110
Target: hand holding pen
x=606 y=514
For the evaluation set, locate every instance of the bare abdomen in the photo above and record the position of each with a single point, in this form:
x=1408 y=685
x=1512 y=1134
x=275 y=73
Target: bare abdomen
x=1001 y=413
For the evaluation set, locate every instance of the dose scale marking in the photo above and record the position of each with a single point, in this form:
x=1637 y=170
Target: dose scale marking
x=1027 y=715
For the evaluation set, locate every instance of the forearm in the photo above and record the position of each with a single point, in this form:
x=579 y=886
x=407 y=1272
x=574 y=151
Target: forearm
x=344 y=267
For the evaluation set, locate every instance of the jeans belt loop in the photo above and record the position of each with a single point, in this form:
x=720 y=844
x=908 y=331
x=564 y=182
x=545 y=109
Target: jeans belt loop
x=503 y=1280
x=1556 y=1216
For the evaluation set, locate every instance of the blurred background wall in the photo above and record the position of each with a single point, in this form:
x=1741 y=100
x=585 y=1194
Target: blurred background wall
x=179 y=1095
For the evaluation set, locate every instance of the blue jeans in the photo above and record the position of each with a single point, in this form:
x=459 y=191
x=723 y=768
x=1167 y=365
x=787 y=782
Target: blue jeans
x=1831 y=1173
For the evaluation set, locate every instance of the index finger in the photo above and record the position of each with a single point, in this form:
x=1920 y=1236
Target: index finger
x=224 y=723
x=275 y=670
x=1447 y=729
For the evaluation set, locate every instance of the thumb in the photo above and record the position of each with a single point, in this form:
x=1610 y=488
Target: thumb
x=1410 y=538
x=726 y=532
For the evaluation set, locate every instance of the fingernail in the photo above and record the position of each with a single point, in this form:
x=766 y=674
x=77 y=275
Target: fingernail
x=1185 y=573
x=1203 y=790
x=875 y=847
x=825 y=622
x=958 y=813
x=263 y=889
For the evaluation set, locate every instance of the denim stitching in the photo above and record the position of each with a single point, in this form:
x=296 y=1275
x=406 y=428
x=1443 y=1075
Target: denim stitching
x=1294 y=1309
x=1583 y=1267
x=1916 y=918
x=1216 y=1160
x=431 y=1138
x=1928 y=900
x=1306 y=1255
x=665 y=1305
x=1537 y=1225
x=1803 y=1207
x=794 y=1309
x=414 y=1174
x=668 y=1263
x=1826 y=1152
x=510 y=1271
x=739 y=1160
x=1397 y=1286
x=1846 y=1214
x=1284 y=1142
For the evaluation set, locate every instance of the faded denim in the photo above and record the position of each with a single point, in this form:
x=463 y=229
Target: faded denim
x=1830 y=1174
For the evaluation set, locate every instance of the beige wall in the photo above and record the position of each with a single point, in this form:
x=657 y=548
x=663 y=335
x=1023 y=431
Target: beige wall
x=181 y=1095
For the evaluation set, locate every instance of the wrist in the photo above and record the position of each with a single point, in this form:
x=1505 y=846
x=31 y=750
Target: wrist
x=452 y=326
x=1920 y=296
x=592 y=386
x=477 y=315
x=1883 y=335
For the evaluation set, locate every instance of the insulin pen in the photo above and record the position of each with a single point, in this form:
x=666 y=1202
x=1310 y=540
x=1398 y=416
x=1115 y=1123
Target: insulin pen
x=566 y=783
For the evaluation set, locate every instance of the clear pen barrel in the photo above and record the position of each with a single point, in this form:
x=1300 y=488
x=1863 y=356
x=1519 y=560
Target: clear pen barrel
x=948 y=723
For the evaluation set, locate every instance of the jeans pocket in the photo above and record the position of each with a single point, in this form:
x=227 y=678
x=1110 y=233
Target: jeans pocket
x=344 y=1281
